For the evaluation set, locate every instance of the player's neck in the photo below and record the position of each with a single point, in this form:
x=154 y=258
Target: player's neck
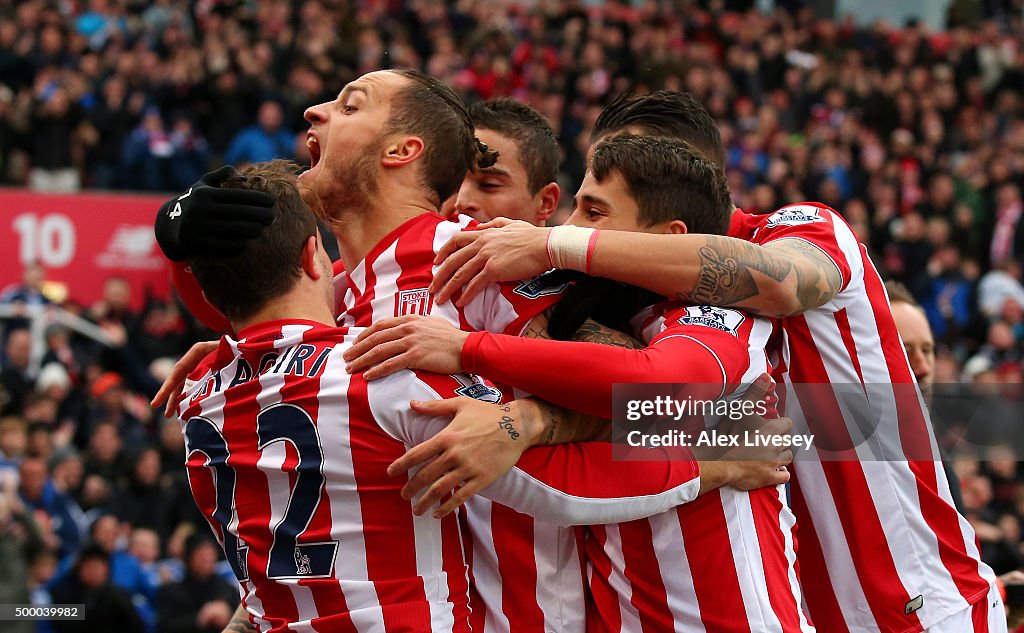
x=302 y=304
x=359 y=232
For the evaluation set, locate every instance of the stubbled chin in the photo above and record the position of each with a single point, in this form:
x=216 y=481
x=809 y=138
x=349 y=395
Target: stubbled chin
x=309 y=194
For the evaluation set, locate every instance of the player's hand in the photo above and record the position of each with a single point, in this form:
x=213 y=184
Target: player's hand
x=500 y=250
x=747 y=466
x=753 y=467
x=175 y=382
x=482 y=442
x=209 y=221
x=407 y=342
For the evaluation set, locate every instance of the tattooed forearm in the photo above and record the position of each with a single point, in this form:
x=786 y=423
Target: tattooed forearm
x=553 y=424
x=240 y=622
x=538 y=326
x=593 y=332
x=818 y=280
x=784 y=277
x=729 y=272
x=565 y=426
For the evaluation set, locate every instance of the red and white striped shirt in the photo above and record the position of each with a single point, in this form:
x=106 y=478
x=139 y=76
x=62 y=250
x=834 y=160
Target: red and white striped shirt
x=723 y=563
x=882 y=547
x=287 y=455
x=526 y=577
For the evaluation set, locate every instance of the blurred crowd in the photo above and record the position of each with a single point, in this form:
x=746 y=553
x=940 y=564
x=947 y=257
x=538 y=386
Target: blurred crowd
x=917 y=137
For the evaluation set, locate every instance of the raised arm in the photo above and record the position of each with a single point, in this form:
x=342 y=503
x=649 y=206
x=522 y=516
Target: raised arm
x=780 y=278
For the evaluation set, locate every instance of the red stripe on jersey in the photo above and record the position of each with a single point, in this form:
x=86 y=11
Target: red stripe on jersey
x=877 y=570
x=405 y=606
x=514 y=549
x=843 y=321
x=712 y=563
x=603 y=614
x=979 y=617
x=820 y=594
x=644 y=574
x=767 y=506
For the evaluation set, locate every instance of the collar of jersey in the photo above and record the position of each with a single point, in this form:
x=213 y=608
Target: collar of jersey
x=357 y=277
x=258 y=330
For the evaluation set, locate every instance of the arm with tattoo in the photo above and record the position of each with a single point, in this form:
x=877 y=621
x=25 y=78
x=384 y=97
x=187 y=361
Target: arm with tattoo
x=784 y=277
x=240 y=622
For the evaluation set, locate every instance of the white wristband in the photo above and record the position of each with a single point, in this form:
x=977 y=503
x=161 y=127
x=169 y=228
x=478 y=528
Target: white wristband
x=571 y=247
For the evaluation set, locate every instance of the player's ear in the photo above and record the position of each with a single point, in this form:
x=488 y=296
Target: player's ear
x=402 y=151
x=548 y=197
x=676 y=227
x=309 y=263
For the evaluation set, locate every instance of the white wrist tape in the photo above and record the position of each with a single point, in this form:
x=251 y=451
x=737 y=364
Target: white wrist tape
x=571 y=247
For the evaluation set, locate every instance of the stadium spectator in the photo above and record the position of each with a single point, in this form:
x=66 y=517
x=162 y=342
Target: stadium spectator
x=202 y=601
x=16 y=379
x=20 y=540
x=38 y=492
x=30 y=290
x=264 y=141
x=108 y=607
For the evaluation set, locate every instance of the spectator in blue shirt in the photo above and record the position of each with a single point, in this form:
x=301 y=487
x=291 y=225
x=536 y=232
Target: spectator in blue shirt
x=264 y=141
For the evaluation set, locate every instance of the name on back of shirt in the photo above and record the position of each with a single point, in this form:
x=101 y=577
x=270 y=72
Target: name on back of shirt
x=298 y=360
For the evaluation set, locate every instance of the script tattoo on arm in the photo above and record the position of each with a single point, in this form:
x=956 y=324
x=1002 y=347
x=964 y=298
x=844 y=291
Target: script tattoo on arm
x=732 y=272
x=508 y=422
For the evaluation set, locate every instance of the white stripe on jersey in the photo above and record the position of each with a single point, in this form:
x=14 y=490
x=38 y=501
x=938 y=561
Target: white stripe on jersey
x=272 y=458
x=486 y=575
x=560 y=579
x=675 y=570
